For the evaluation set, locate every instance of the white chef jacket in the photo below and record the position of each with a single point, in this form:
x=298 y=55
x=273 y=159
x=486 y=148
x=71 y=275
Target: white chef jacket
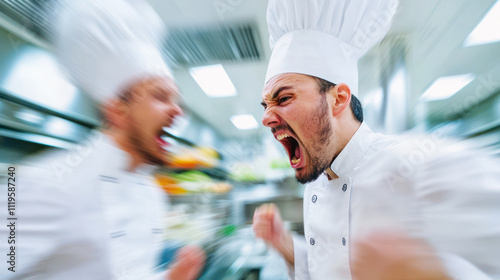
x=442 y=192
x=81 y=215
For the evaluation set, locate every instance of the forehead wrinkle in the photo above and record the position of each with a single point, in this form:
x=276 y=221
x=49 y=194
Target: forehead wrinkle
x=274 y=85
x=267 y=96
x=273 y=94
x=284 y=82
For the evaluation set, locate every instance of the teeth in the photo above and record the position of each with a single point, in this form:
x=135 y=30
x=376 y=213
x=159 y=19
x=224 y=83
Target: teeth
x=282 y=136
x=295 y=160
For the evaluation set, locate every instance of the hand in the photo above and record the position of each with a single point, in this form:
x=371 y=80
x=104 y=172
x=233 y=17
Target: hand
x=268 y=225
x=188 y=263
x=395 y=256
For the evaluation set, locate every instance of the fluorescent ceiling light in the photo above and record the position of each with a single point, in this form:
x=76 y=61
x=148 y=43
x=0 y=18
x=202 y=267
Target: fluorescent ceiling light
x=213 y=80
x=245 y=121
x=487 y=30
x=446 y=87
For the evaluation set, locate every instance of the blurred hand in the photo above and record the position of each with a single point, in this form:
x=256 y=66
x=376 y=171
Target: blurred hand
x=267 y=224
x=188 y=263
x=394 y=256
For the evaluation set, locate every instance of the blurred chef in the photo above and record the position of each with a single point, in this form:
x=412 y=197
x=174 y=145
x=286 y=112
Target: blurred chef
x=94 y=212
x=375 y=207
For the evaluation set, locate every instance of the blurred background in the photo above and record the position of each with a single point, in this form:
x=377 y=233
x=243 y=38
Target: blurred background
x=437 y=71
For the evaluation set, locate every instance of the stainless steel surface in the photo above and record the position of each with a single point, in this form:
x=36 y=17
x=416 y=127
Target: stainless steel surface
x=37 y=104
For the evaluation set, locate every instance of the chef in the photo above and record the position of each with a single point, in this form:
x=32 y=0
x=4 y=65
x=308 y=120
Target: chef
x=94 y=212
x=375 y=207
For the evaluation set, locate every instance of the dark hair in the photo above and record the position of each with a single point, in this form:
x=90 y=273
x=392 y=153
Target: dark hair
x=357 y=109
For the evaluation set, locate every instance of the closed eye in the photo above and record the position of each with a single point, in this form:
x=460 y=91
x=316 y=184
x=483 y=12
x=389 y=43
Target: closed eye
x=163 y=97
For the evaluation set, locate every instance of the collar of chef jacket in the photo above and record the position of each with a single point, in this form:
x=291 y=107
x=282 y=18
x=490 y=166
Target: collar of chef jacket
x=354 y=151
x=119 y=160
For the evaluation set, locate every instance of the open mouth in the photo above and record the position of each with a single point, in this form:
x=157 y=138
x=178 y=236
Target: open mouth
x=160 y=139
x=292 y=148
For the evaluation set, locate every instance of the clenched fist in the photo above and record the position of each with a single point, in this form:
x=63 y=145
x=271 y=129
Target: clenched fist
x=188 y=263
x=268 y=225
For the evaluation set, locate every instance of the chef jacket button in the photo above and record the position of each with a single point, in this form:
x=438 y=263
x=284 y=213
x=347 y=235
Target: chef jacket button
x=312 y=241
x=344 y=187
x=314 y=198
x=343 y=241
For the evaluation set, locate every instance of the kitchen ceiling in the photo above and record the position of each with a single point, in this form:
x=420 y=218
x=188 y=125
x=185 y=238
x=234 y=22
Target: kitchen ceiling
x=432 y=32
x=247 y=75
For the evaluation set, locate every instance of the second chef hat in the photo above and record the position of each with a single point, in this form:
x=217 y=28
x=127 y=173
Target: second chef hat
x=106 y=45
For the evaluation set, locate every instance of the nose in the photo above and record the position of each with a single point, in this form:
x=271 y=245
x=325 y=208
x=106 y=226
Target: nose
x=270 y=119
x=173 y=110
x=177 y=110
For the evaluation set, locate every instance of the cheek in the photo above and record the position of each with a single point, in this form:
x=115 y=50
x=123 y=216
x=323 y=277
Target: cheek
x=145 y=117
x=309 y=132
x=301 y=120
x=153 y=111
x=292 y=115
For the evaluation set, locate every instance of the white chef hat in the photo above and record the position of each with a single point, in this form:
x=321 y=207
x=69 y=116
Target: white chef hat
x=325 y=38
x=106 y=45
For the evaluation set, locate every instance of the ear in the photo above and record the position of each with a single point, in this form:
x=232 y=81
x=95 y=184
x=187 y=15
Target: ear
x=341 y=95
x=116 y=112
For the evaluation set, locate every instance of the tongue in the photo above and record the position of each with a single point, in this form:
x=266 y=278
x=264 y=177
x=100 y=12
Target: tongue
x=297 y=152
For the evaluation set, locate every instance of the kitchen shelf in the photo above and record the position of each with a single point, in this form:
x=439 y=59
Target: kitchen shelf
x=215 y=172
x=75 y=118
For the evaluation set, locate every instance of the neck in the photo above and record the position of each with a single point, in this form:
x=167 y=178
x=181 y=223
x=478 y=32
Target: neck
x=344 y=133
x=121 y=140
x=330 y=174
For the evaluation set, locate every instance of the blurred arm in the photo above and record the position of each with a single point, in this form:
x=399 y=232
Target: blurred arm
x=458 y=194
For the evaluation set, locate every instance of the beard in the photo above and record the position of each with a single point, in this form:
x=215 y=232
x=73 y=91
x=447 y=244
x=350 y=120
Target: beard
x=317 y=157
x=140 y=144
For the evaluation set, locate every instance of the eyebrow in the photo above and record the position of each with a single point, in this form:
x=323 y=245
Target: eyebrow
x=276 y=93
